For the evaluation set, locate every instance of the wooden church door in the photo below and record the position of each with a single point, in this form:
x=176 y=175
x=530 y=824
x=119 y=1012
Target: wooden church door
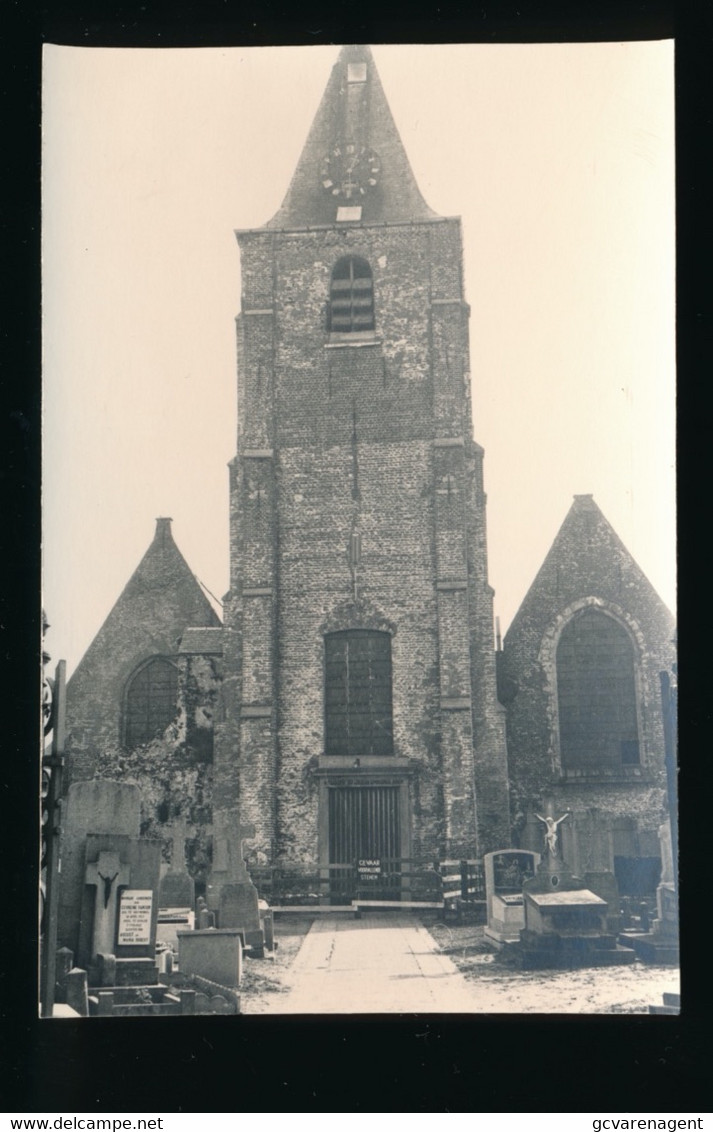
x=365 y=840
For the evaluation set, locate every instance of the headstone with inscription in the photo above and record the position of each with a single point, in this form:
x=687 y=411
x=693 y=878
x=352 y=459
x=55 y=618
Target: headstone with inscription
x=506 y=872
x=97 y=807
x=135 y=913
x=119 y=909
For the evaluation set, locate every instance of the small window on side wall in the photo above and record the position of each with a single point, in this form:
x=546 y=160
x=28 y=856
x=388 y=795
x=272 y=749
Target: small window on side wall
x=351 y=297
x=150 y=703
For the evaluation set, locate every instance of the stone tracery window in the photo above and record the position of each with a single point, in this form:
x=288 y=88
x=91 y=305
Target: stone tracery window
x=596 y=693
x=150 y=703
x=358 y=706
x=351 y=296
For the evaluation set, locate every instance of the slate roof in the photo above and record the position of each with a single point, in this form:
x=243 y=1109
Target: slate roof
x=344 y=112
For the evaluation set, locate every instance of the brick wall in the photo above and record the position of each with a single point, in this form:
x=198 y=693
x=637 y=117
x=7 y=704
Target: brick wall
x=587 y=567
x=337 y=438
x=174 y=772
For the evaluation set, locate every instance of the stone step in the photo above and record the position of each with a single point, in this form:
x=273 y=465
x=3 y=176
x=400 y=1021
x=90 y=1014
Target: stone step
x=664 y=1010
x=394 y=905
x=127 y=996
x=651 y=951
x=552 y=941
x=671 y=999
x=142 y=1009
x=536 y=958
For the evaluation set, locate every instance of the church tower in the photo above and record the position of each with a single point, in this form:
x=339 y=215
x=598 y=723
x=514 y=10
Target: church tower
x=360 y=713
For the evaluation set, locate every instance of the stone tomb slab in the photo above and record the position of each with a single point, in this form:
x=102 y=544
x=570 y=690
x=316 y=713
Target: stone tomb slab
x=572 y=912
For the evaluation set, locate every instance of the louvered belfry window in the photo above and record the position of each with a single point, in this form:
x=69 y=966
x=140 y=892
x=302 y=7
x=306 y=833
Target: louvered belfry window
x=358 y=715
x=351 y=296
x=596 y=689
x=150 y=702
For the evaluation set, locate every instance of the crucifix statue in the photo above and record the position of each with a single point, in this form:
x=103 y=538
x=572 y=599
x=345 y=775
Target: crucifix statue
x=551 y=831
x=107 y=875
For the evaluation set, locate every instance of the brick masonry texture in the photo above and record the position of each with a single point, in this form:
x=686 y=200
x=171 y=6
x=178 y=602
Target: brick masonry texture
x=586 y=566
x=369 y=435
x=338 y=438
x=174 y=772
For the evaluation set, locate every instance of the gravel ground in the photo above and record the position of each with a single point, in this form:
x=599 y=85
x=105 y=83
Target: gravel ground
x=265 y=978
x=628 y=989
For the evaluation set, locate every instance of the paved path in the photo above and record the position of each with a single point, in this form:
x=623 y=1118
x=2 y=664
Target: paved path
x=380 y=963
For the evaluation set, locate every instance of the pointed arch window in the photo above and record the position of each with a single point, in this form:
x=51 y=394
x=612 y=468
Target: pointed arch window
x=351 y=296
x=596 y=692
x=358 y=709
x=150 y=702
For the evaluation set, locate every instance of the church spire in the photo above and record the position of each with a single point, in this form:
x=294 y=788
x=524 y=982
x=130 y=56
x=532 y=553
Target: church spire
x=353 y=167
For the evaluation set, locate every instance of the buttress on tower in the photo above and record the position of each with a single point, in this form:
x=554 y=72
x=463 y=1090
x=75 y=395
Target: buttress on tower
x=360 y=716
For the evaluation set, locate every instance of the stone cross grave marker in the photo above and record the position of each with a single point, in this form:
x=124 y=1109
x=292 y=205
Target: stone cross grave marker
x=108 y=875
x=228 y=853
x=231 y=891
x=177 y=889
x=179 y=836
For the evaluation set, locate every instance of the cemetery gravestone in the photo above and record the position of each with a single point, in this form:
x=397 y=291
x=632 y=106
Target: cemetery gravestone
x=76 y=989
x=135 y=910
x=99 y=806
x=177 y=888
x=603 y=883
x=506 y=872
x=565 y=923
x=63 y=965
x=119 y=909
x=230 y=891
x=215 y=954
x=658 y=942
x=108 y=876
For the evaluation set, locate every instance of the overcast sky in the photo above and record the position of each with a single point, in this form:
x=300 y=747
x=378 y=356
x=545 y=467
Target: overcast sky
x=559 y=158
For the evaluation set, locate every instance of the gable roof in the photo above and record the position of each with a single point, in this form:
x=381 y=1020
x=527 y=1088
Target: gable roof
x=587 y=559
x=353 y=108
x=161 y=598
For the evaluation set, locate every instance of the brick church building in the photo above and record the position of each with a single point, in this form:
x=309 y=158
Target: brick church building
x=352 y=703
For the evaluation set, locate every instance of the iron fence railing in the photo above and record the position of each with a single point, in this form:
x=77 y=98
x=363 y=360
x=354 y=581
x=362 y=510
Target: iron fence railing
x=414 y=879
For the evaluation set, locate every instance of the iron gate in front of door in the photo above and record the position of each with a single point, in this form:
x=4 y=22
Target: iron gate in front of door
x=364 y=843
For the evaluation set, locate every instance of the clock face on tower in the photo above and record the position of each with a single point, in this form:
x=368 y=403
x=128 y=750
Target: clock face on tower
x=349 y=172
